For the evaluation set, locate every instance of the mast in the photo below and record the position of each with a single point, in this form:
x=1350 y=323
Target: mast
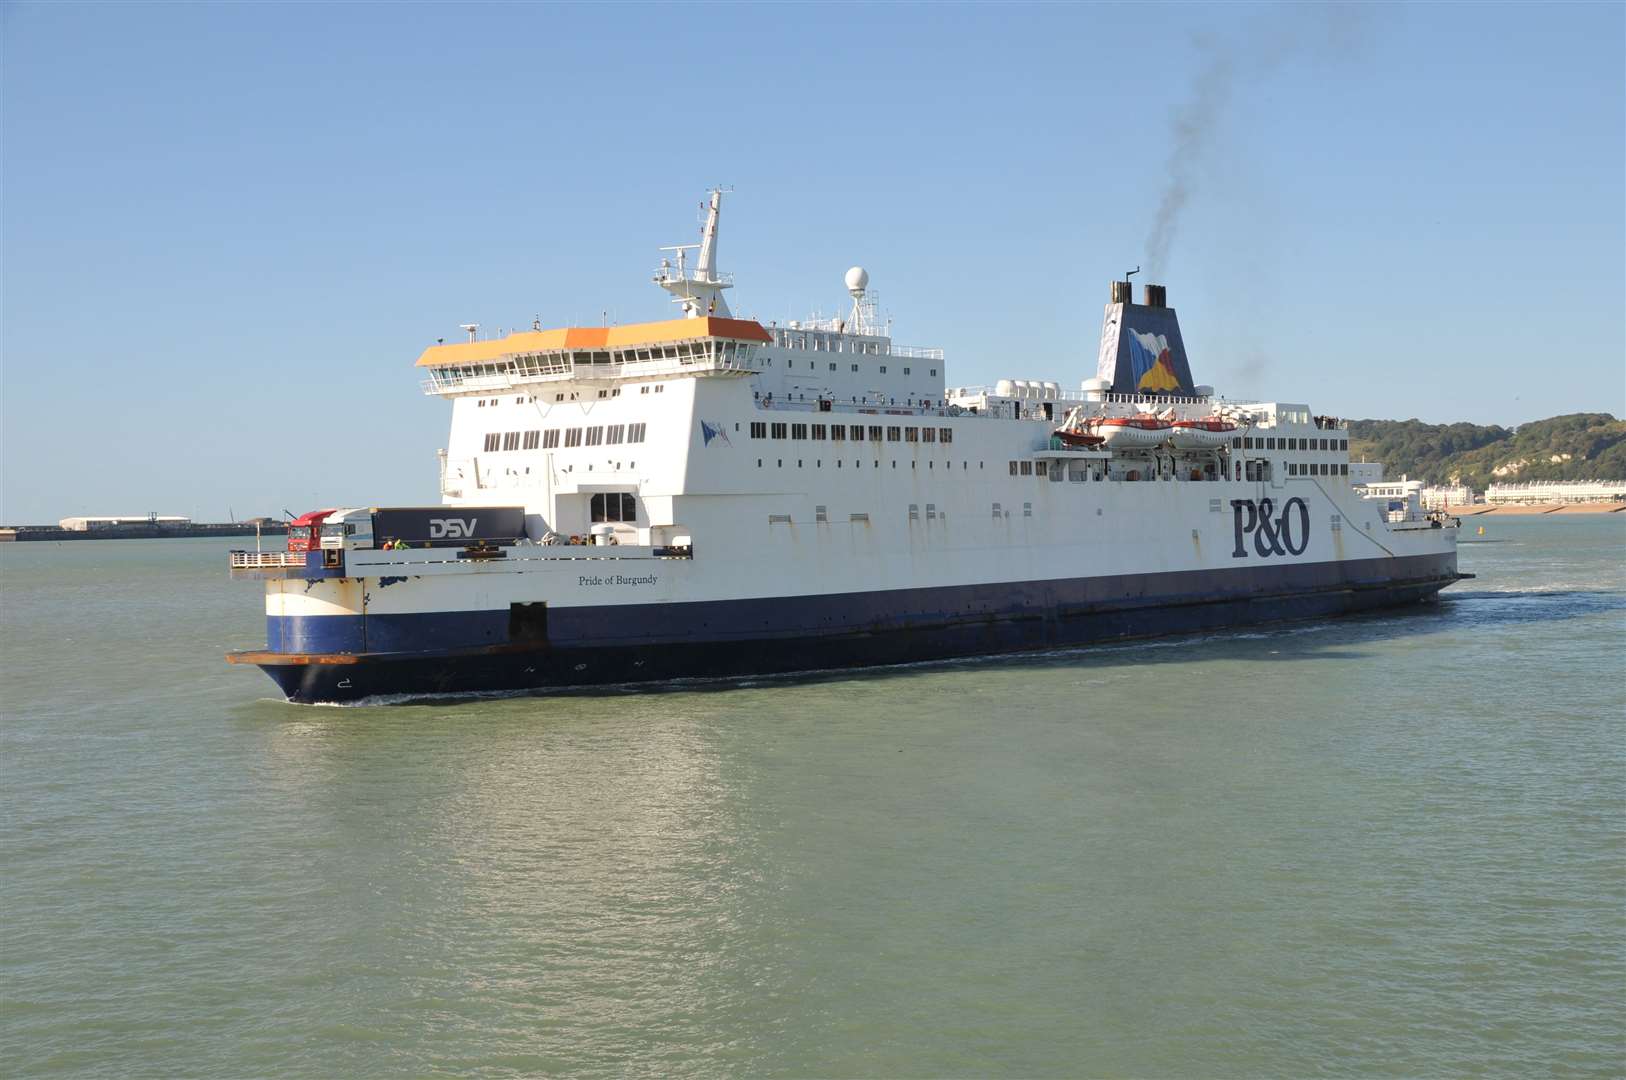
x=700 y=291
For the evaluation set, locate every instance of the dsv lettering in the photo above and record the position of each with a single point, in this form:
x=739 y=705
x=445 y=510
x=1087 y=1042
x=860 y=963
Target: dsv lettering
x=1288 y=534
x=451 y=528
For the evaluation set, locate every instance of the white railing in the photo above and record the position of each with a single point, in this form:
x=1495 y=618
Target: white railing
x=914 y=352
x=1081 y=396
x=672 y=275
x=266 y=560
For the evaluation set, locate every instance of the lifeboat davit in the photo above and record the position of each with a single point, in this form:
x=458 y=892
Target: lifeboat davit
x=1207 y=434
x=1131 y=432
x=1078 y=440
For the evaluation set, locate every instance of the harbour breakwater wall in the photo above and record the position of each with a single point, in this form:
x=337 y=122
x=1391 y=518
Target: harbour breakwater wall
x=22 y=533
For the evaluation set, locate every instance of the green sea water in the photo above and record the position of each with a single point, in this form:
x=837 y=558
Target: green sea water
x=1385 y=846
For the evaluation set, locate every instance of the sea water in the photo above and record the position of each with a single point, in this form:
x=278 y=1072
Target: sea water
x=1384 y=846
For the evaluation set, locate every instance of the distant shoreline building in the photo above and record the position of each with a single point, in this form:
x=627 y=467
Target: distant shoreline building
x=92 y=523
x=1557 y=491
x=1438 y=498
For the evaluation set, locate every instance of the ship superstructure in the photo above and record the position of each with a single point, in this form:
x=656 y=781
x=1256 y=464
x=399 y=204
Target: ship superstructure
x=707 y=495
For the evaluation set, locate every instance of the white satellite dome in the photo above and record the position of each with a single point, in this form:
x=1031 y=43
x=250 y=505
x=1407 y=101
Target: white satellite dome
x=857 y=279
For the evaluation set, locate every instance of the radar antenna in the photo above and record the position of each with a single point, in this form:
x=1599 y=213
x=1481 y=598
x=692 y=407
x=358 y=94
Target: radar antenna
x=863 y=319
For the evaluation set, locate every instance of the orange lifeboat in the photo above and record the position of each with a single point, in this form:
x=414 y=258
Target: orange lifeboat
x=1131 y=432
x=1078 y=440
x=1209 y=433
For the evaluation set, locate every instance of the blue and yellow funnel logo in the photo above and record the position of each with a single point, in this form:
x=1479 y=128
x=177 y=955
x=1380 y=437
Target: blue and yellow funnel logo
x=1151 y=363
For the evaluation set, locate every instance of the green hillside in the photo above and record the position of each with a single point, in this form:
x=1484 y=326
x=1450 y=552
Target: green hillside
x=1580 y=446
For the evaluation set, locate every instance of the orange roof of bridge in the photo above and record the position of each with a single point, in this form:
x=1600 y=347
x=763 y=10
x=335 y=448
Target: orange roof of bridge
x=593 y=337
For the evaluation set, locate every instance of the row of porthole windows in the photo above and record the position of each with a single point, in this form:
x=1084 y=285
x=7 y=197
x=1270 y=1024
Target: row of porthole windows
x=1255 y=443
x=1042 y=468
x=1030 y=468
x=613 y=392
x=841 y=463
x=854 y=432
x=599 y=435
x=881 y=368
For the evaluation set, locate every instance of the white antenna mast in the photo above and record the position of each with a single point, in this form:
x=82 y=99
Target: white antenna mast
x=700 y=292
x=862 y=320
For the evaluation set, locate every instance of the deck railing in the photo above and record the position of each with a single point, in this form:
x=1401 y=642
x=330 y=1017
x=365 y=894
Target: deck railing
x=264 y=560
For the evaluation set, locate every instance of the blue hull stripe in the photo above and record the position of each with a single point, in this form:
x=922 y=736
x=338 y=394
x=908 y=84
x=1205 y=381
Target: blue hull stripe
x=451 y=652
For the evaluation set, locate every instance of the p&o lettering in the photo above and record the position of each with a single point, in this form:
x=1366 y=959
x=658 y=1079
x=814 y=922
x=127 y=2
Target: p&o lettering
x=1285 y=534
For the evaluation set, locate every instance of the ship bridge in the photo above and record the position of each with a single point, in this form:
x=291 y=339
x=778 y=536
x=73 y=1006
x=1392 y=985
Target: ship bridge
x=692 y=346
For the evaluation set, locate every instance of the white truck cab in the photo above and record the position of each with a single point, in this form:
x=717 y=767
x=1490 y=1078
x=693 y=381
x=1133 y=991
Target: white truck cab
x=351 y=528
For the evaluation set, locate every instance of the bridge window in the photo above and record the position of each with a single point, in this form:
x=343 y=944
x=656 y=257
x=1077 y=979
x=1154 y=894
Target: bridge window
x=883 y=369
x=614 y=506
x=911 y=434
x=595 y=435
x=614 y=434
x=635 y=432
x=1027 y=468
x=759 y=430
x=1041 y=468
x=945 y=434
x=532 y=440
x=875 y=433
x=798 y=431
x=779 y=430
x=493 y=440
x=573 y=436
x=1013 y=468
x=838 y=432
x=818 y=432
x=550 y=438
x=893 y=434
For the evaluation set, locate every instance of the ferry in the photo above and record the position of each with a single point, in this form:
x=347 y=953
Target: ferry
x=712 y=496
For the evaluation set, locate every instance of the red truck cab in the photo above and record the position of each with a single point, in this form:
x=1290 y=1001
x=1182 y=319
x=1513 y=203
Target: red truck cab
x=305 y=531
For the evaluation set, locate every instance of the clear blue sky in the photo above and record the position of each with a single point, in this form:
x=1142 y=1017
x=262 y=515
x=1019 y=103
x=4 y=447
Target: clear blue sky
x=229 y=229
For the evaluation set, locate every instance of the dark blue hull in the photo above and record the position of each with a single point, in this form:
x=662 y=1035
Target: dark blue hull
x=471 y=652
